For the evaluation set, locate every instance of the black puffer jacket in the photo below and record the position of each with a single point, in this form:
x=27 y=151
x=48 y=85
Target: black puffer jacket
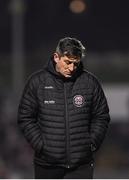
x=64 y=120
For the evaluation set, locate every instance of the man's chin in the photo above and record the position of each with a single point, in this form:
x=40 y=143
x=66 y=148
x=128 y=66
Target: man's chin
x=68 y=75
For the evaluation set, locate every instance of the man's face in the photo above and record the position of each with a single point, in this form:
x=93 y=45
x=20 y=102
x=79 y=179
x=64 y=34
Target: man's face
x=66 y=65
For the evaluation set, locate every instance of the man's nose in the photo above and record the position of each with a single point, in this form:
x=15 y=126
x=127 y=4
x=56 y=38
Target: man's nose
x=71 y=67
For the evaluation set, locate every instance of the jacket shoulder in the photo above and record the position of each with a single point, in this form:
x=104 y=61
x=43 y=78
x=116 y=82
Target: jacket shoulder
x=93 y=80
x=35 y=78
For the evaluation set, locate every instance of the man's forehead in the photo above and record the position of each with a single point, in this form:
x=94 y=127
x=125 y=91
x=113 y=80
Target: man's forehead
x=71 y=59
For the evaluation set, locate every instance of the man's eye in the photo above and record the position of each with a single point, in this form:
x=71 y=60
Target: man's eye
x=67 y=62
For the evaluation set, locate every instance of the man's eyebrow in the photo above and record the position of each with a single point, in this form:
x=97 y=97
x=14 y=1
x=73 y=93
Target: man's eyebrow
x=67 y=61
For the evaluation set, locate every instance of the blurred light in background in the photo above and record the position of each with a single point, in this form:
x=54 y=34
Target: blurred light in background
x=17 y=6
x=78 y=6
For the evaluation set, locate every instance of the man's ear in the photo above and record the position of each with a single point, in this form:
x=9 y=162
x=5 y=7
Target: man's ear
x=56 y=57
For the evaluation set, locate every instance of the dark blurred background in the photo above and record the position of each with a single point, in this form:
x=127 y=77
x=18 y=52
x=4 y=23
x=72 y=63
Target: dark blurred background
x=29 y=32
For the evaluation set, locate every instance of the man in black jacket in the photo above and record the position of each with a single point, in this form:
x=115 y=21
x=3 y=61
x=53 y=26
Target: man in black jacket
x=63 y=114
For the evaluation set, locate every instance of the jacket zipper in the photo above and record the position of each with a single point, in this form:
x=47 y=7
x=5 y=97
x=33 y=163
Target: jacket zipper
x=67 y=129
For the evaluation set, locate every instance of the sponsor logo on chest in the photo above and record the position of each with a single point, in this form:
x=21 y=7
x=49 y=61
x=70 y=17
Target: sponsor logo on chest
x=49 y=102
x=48 y=87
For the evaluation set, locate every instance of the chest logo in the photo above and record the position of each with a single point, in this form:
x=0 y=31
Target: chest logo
x=78 y=100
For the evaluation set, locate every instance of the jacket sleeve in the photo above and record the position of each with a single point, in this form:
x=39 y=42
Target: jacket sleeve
x=27 y=116
x=99 y=116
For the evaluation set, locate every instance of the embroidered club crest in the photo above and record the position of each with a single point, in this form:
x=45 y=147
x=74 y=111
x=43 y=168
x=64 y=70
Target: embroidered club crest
x=78 y=100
